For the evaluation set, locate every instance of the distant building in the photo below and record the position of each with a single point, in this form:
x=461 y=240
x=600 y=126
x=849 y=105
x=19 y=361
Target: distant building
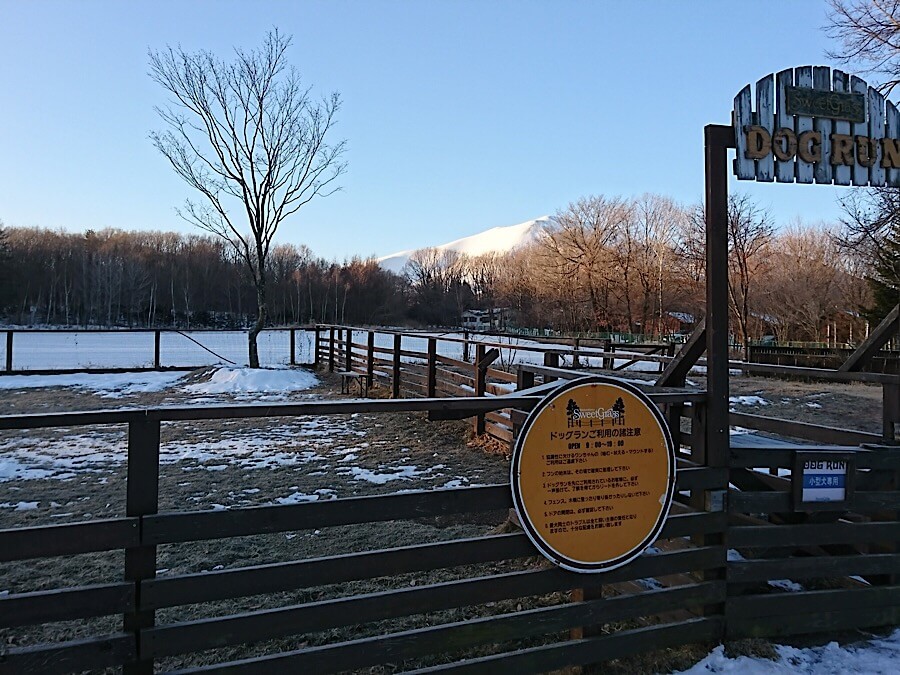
x=485 y=319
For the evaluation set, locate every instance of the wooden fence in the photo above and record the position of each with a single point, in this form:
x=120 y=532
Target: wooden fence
x=428 y=373
x=519 y=614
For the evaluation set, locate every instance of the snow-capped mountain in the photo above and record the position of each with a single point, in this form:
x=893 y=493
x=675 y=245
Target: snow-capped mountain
x=494 y=240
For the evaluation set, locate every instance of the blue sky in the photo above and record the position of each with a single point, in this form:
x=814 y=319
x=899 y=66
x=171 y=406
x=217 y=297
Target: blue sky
x=459 y=115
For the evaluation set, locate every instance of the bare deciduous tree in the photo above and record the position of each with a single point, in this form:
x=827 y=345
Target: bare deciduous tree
x=749 y=233
x=869 y=34
x=248 y=136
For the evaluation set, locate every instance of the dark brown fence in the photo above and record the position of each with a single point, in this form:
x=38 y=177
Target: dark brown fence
x=479 y=601
x=884 y=361
x=428 y=373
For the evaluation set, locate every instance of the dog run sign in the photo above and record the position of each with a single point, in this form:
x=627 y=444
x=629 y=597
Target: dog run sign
x=593 y=473
x=815 y=125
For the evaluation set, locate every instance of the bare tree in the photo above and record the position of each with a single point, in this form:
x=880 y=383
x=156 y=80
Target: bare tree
x=869 y=34
x=749 y=232
x=252 y=141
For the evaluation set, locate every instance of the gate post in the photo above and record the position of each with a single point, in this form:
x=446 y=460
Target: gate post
x=432 y=366
x=317 y=345
x=479 y=385
x=156 y=359
x=395 y=374
x=142 y=499
x=9 y=348
x=293 y=360
x=348 y=350
x=370 y=358
x=718 y=139
x=890 y=401
x=331 y=349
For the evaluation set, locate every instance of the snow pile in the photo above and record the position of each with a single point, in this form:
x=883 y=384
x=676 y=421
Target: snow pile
x=243 y=382
x=877 y=657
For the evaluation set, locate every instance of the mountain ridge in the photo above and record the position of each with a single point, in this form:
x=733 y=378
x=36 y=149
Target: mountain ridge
x=502 y=239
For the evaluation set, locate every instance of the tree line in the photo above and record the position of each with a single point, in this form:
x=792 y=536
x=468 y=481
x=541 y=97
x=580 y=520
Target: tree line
x=604 y=263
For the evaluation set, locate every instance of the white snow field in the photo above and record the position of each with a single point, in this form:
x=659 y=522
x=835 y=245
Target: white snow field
x=57 y=350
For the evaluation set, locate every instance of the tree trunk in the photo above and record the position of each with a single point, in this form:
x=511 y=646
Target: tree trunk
x=261 y=313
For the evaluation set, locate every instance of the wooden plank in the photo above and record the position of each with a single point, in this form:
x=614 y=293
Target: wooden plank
x=398 y=647
x=860 y=173
x=822 y=621
x=676 y=371
x=447 y=361
x=805 y=602
x=264 y=624
x=24 y=609
x=782 y=502
x=744 y=167
x=784 y=170
x=592 y=650
x=689 y=524
x=804 y=170
x=892 y=130
x=824 y=170
x=884 y=457
x=841 y=83
x=67 y=657
x=803 y=430
x=54 y=540
x=201 y=525
x=885 y=330
x=502 y=375
x=702 y=478
x=765 y=113
x=877 y=174
x=812 y=534
x=272 y=578
x=498 y=432
x=812 y=567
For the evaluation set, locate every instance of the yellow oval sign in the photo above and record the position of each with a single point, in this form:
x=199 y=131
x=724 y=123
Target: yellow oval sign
x=593 y=474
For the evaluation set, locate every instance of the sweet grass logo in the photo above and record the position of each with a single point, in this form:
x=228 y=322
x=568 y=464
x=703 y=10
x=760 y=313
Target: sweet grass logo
x=576 y=417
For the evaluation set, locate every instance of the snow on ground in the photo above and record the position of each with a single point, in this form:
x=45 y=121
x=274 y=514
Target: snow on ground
x=875 y=657
x=747 y=400
x=109 y=385
x=265 y=384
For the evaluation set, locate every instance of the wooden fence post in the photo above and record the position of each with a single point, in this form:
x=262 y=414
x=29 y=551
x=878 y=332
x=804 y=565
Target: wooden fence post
x=9 y=348
x=142 y=499
x=576 y=362
x=551 y=360
x=348 y=349
x=331 y=349
x=370 y=358
x=465 y=345
x=157 y=362
x=608 y=361
x=293 y=360
x=891 y=412
x=479 y=385
x=317 y=345
x=432 y=366
x=395 y=374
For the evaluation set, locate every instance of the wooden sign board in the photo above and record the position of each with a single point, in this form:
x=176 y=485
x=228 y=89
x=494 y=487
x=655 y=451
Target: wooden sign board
x=815 y=125
x=593 y=474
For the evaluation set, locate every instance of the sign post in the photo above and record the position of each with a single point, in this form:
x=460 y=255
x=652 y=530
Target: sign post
x=593 y=474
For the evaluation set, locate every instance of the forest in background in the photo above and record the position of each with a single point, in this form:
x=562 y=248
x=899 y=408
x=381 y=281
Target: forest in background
x=606 y=263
